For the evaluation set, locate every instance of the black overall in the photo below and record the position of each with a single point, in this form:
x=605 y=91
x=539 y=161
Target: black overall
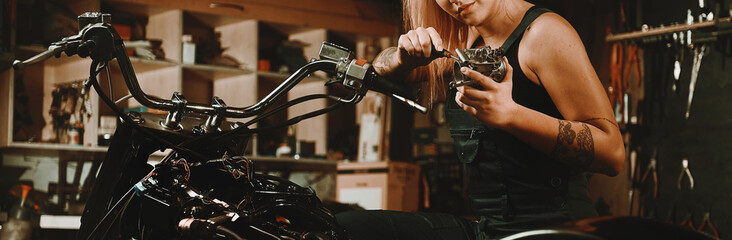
x=514 y=187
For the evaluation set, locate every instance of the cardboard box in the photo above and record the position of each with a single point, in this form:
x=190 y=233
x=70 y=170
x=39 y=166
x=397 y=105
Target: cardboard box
x=379 y=185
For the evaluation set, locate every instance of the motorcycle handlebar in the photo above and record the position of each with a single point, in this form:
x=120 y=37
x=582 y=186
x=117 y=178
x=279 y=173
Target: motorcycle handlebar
x=102 y=34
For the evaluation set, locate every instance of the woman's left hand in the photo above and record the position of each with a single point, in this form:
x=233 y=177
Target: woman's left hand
x=493 y=105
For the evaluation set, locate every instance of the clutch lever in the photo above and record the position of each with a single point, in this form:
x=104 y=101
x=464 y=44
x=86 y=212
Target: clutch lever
x=68 y=44
x=53 y=50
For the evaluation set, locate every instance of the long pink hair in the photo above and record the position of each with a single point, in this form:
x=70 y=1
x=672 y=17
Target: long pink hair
x=426 y=13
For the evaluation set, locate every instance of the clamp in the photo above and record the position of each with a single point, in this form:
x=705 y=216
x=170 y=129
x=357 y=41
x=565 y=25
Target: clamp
x=685 y=171
x=215 y=119
x=172 y=120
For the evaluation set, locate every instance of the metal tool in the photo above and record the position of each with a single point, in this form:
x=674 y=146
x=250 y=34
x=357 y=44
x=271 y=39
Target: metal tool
x=696 y=65
x=707 y=222
x=651 y=169
x=687 y=222
x=685 y=172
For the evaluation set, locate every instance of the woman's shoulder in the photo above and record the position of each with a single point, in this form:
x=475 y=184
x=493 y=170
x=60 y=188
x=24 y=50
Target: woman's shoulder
x=550 y=39
x=549 y=25
x=550 y=31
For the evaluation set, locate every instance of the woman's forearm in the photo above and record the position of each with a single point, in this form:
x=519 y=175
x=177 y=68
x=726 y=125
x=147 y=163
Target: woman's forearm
x=581 y=146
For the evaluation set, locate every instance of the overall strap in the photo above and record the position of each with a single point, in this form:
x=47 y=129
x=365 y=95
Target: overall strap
x=529 y=17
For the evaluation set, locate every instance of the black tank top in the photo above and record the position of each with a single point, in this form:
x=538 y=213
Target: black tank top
x=514 y=187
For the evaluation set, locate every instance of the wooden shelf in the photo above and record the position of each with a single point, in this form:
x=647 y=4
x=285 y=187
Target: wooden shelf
x=341 y=15
x=282 y=76
x=142 y=65
x=214 y=70
x=213 y=20
x=142 y=10
x=51 y=149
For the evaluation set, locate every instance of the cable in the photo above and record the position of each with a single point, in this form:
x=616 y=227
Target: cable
x=287 y=105
x=243 y=127
x=291 y=121
x=109 y=79
x=116 y=216
x=225 y=230
x=128 y=195
x=128 y=96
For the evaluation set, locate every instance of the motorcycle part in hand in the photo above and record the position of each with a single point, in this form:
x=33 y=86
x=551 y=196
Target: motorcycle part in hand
x=485 y=60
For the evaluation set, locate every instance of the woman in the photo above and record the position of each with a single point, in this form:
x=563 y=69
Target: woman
x=526 y=140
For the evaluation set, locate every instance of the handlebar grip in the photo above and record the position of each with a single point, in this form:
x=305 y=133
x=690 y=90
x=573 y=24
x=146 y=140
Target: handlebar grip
x=395 y=90
x=379 y=84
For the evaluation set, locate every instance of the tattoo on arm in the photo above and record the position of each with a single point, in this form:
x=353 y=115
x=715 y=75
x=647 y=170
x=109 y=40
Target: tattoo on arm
x=575 y=149
x=384 y=63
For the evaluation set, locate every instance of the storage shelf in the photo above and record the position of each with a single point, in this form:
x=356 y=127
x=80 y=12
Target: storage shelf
x=213 y=20
x=350 y=16
x=144 y=65
x=51 y=148
x=283 y=76
x=133 y=8
x=211 y=70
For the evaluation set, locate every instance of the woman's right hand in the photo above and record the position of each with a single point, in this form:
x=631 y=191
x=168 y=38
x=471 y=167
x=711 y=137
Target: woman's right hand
x=417 y=47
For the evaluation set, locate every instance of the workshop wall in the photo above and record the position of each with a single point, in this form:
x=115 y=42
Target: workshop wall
x=703 y=138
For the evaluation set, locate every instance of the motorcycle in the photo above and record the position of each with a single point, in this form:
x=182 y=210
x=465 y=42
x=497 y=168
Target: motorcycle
x=204 y=188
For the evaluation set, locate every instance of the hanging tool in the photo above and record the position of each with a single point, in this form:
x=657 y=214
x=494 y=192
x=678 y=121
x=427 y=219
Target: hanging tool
x=616 y=75
x=651 y=169
x=707 y=222
x=686 y=223
x=685 y=172
x=696 y=65
x=633 y=63
x=633 y=179
x=680 y=44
